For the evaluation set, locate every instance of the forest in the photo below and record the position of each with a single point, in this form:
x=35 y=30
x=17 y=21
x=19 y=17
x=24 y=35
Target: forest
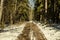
x=29 y=19
x=43 y=11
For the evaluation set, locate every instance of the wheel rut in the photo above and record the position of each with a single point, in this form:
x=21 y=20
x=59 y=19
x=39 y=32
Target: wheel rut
x=37 y=33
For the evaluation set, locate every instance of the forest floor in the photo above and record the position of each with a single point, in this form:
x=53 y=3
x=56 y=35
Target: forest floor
x=15 y=32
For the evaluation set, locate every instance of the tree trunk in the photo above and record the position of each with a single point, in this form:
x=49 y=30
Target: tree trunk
x=45 y=19
x=1 y=8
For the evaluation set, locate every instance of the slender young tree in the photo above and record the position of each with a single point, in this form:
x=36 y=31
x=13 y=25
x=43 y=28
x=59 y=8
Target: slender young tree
x=1 y=8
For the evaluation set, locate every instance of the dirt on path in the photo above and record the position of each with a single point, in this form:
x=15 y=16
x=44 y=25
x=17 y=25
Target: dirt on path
x=26 y=35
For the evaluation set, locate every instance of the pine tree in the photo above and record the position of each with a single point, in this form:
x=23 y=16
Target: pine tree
x=15 y=10
x=40 y=10
x=22 y=12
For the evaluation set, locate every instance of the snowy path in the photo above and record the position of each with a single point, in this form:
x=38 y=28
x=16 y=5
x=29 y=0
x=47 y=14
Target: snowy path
x=31 y=32
x=50 y=32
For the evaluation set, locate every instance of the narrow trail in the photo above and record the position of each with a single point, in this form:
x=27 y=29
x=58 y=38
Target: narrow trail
x=37 y=34
x=30 y=31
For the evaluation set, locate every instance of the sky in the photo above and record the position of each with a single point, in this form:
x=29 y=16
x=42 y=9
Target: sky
x=31 y=3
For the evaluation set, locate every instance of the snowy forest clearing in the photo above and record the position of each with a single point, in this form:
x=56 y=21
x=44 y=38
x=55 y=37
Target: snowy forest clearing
x=15 y=11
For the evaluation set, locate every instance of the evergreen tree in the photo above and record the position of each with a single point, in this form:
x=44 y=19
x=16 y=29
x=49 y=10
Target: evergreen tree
x=22 y=10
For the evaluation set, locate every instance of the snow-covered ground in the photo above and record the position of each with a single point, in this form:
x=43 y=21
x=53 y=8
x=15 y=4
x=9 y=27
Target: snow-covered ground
x=50 y=33
x=13 y=31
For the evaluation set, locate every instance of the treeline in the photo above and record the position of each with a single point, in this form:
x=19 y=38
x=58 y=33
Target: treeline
x=15 y=11
x=44 y=11
x=47 y=11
